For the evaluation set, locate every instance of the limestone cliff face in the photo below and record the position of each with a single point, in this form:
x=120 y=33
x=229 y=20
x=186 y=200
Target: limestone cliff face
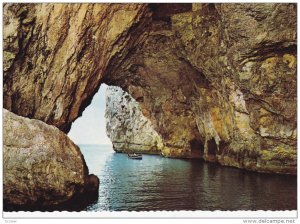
x=55 y=55
x=42 y=167
x=217 y=81
x=126 y=126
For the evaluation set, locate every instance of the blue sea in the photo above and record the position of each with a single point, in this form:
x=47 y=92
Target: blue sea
x=159 y=183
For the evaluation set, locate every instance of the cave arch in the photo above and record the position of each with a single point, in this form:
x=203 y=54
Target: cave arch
x=194 y=75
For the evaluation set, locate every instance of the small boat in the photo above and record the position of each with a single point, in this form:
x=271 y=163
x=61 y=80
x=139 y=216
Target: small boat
x=134 y=156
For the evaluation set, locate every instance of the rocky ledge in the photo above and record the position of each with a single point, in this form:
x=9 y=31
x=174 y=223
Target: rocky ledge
x=43 y=168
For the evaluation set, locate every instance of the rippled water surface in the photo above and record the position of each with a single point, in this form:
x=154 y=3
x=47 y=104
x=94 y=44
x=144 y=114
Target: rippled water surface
x=158 y=183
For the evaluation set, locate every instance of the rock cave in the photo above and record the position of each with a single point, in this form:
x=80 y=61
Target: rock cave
x=206 y=81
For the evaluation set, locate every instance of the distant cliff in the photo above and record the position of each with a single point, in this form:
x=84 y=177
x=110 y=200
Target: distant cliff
x=127 y=128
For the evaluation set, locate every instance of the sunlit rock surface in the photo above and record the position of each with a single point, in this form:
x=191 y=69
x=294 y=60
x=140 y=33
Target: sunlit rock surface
x=42 y=166
x=56 y=54
x=216 y=81
x=126 y=126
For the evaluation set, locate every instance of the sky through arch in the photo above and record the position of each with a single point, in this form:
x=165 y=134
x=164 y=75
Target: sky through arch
x=90 y=128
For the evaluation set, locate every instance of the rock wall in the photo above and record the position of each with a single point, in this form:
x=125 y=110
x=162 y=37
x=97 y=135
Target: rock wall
x=217 y=81
x=126 y=126
x=55 y=55
x=42 y=166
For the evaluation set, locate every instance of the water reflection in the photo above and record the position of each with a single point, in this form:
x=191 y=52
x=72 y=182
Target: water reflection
x=158 y=183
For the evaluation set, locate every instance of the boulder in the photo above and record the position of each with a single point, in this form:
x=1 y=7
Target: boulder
x=43 y=168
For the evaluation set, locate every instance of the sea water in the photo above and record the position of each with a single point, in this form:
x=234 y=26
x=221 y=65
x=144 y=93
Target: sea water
x=159 y=183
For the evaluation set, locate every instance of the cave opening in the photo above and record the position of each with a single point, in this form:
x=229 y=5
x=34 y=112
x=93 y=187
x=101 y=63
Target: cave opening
x=90 y=128
x=212 y=147
x=197 y=148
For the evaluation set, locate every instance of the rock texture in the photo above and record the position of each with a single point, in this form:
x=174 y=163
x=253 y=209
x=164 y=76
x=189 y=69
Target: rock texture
x=55 y=55
x=127 y=128
x=217 y=81
x=42 y=167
